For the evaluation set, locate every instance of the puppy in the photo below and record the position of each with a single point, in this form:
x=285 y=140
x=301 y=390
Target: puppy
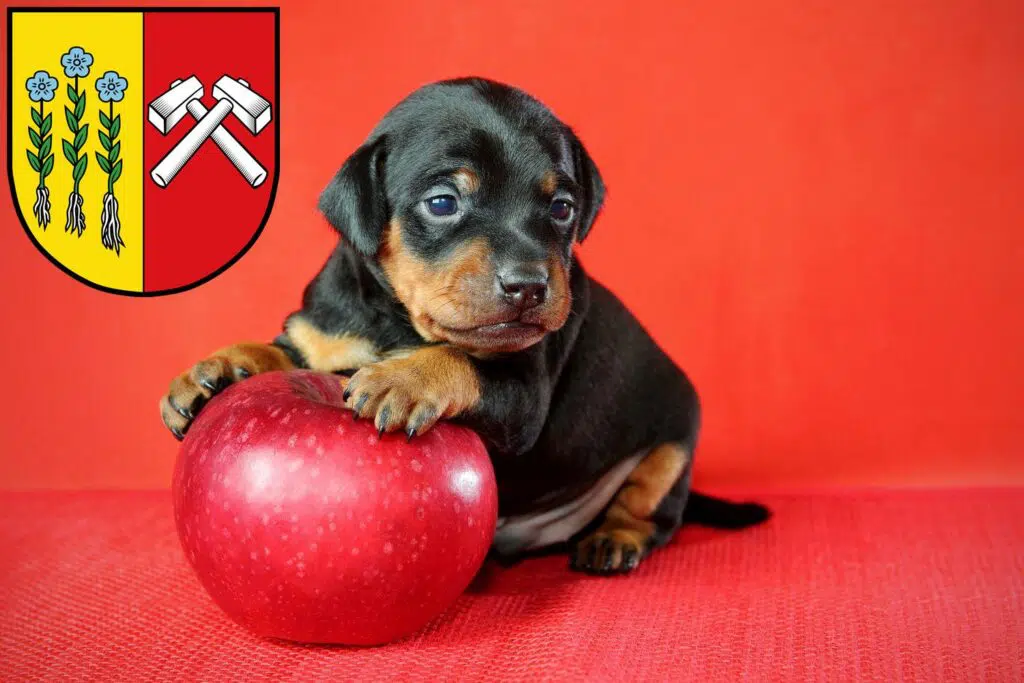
x=453 y=294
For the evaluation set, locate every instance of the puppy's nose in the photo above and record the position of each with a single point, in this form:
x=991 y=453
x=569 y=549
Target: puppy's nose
x=524 y=286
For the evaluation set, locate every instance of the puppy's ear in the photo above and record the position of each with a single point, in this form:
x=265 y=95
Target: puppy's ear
x=354 y=202
x=590 y=180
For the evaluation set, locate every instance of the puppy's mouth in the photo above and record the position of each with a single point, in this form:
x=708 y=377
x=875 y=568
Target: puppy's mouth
x=505 y=335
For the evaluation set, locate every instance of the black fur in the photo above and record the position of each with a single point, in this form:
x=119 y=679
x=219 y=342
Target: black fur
x=558 y=414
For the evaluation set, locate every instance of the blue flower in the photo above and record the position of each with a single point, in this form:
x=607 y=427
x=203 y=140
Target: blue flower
x=76 y=62
x=41 y=86
x=111 y=87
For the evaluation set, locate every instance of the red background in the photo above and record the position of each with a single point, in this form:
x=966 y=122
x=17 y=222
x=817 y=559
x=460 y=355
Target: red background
x=814 y=207
x=208 y=213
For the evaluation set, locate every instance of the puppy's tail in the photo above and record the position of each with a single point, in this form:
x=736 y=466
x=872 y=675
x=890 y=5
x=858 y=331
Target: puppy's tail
x=719 y=513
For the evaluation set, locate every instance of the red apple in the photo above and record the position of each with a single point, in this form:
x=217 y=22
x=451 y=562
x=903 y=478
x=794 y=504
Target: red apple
x=303 y=524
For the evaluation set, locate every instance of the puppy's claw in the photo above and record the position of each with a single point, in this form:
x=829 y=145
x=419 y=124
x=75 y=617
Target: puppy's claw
x=184 y=412
x=357 y=409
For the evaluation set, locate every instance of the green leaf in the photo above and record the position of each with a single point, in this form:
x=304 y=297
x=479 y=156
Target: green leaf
x=104 y=140
x=80 y=167
x=33 y=160
x=34 y=136
x=115 y=152
x=115 y=173
x=47 y=123
x=115 y=128
x=37 y=118
x=69 y=153
x=102 y=161
x=44 y=148
x=104 y=120
x=80 y=106
x=81 y=137
x=47 y=166
x=72 y=121
x=72 y=95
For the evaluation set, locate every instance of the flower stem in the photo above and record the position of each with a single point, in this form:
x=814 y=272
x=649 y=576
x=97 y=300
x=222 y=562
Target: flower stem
x=110 y=177
x=42 y=179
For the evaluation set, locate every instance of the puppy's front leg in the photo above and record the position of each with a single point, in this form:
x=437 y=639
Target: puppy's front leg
x=411 y=390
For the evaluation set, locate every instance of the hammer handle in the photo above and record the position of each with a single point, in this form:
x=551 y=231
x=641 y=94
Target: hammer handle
x=238 y=155
x=163 y=173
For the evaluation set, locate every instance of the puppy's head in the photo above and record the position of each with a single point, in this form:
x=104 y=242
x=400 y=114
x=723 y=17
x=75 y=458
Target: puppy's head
x=469 y=196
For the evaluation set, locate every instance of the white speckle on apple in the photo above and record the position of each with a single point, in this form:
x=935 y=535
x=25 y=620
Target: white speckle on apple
x=313 y=546
x=265 y=518
x=294 y=465
x=314 y=473
x=388 y=548
x=332 y=526
x=284 y=537
x=252 y=555
x=311 y=440
x=355 y=551
x=266 y=551
x=319 y=531
x=292 y=440
x=416 y=465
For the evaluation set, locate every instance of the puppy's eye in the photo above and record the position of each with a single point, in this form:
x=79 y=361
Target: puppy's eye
x=443 y=205
x=561 y=210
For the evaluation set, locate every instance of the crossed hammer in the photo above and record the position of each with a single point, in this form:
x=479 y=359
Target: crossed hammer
x=233 y=97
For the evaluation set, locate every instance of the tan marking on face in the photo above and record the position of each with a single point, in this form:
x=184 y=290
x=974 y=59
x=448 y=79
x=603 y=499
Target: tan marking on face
x=466 y=180
x=329 y=352
x=437 y=295
x=548 y=183
x=558 y=302
x=446 y=299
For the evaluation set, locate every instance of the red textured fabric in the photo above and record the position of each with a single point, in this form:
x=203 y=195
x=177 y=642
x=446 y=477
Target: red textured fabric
x=869 y=586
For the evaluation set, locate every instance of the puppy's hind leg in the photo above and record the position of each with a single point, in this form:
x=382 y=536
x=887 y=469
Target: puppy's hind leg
x=645 y=513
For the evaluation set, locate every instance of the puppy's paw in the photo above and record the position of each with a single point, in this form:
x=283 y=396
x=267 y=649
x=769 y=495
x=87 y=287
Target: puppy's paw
x=608 y=551
x=412 y=392
x=190 y=390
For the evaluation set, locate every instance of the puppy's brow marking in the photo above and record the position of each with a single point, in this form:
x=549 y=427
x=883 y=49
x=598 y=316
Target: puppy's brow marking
x=467 y=180
x=329 y=352
x=549 y=183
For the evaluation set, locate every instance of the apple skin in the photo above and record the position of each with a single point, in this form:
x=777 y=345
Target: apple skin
x=304 y=525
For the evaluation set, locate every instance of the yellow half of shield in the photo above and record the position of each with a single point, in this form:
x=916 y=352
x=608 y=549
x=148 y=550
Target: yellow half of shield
x=39 y=41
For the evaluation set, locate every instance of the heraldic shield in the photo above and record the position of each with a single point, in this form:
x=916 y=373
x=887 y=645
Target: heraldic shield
x=143 y=144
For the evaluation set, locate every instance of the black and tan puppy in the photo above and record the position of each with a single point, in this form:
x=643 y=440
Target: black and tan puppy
x=453 y=294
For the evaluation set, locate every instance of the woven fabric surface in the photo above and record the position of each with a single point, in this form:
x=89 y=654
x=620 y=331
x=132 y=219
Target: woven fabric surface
x=887 y=586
